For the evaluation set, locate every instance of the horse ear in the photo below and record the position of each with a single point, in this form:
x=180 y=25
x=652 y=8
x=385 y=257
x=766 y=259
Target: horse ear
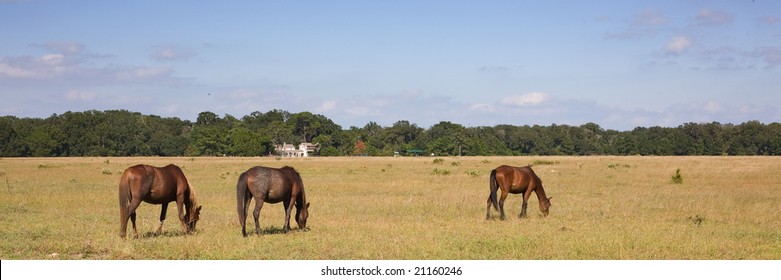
x=199 y=208
x=307 y=205
x=549 y=198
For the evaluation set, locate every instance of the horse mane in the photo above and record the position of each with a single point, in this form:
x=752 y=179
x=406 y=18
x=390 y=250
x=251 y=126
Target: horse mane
x=192 y=198
x=299 y=181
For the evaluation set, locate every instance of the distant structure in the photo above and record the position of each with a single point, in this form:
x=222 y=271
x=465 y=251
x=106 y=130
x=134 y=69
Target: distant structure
x=290 y=150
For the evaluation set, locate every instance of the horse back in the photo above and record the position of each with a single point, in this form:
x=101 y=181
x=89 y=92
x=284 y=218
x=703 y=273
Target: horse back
x=516 y=179
x=272 y=185
x=157 y=185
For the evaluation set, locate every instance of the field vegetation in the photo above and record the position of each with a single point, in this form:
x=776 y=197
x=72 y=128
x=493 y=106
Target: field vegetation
x=383 y=208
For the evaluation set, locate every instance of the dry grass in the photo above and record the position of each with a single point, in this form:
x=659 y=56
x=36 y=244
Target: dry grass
x=409 y=208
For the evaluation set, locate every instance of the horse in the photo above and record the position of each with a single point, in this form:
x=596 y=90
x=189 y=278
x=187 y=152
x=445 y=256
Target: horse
x=516 y=180
x=271 y=185
x=156 y=185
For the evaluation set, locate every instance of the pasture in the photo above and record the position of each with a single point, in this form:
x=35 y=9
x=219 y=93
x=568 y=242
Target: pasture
x=408 y=208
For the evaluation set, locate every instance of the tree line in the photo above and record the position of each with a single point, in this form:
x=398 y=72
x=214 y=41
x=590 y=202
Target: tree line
x=124 y=133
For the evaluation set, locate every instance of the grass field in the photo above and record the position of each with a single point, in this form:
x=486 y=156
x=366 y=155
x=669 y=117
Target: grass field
x=409 y=208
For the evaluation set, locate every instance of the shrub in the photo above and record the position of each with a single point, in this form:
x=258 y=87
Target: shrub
x=438 y=171
x=677 y=178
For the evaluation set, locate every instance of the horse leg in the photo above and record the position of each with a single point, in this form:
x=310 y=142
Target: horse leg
x=132 y=210
x=163 y=211
x=182 y=216
x=525 y=204
x=256 y=214
x=133 y=221
x=288 y=210
x=501 y=203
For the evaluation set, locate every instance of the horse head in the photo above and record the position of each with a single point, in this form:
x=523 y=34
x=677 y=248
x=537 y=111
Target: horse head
x=545 y=206
x=301 y=215
x=193 y=218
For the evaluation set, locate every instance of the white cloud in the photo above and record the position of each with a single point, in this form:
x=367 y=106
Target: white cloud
x=11 y=71
x=528 y=99
x=76 y=95
x=67 y=48
x=243 y=94
x=359 y=111
x=771 y=55
x=712 y=107
x=143 y=73
x=769 y=20
x=485 y=108
x=678 y=45
x=172 y=53
x=328 y=105
x=52 y=59
x=650 y=18
x=709 y=17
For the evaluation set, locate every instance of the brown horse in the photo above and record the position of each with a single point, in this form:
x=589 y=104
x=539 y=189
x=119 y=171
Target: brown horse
x=271 y=185
x=516 y=180
x=156 y=185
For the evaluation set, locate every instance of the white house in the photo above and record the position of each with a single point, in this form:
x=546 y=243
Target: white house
x=289 y=150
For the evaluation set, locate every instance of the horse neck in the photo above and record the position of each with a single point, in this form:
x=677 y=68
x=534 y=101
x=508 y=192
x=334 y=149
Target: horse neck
x=301 y=200
x=189 y=201
x=540 y=191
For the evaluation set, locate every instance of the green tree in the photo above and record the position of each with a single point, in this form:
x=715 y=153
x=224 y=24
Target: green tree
x=244 y=142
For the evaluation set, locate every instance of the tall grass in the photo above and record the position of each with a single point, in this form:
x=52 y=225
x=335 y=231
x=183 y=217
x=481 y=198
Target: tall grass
x=397 y=208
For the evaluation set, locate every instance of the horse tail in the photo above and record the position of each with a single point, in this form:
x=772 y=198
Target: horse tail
x=241 y=195
x=494 y=187
x=124 y=198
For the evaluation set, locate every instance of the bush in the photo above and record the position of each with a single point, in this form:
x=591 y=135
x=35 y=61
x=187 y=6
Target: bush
x=677 y=178
x=438 y=171
x=329 y=152
x=544 y=162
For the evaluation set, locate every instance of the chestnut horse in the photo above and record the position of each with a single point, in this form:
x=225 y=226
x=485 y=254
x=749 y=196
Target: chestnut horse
x=516 y=180
x=156 y=185
x=272 y=185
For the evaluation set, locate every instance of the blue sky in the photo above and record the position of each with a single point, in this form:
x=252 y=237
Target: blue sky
x=620 y=64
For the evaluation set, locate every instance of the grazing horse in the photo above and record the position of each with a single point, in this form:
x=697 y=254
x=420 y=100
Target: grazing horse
x=156 y=185
x=272 y=185
x=516 y=180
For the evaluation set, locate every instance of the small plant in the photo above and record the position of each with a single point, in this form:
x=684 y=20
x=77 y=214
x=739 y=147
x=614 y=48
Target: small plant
x=473 y=173
x=455 y=163
x=438 y=161
x=485 y=161
x=438 y=171
x=107 y=171
x=106 y=161
x=696 y=219
x=544 y=162
x=677 y=178
x=278 y=158
x=617 y=165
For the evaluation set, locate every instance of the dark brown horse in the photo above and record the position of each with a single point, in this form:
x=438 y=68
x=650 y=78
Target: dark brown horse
x=156 y=185
x=516 y=180
x=272 y=185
